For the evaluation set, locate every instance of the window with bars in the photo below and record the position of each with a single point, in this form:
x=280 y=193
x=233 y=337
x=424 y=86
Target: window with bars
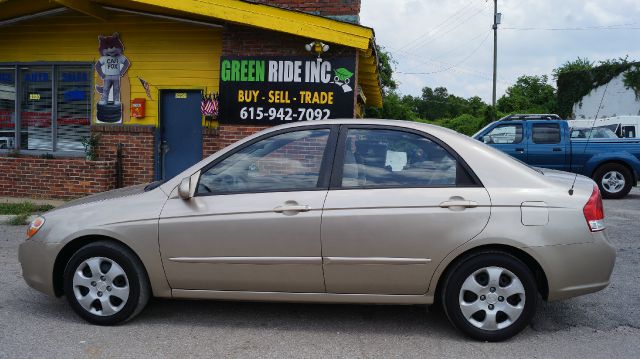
x=45 y=107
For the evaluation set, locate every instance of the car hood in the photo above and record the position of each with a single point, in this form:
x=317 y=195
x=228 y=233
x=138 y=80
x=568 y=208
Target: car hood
x=108 y=195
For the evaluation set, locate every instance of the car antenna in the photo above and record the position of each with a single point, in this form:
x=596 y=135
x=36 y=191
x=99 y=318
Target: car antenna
x=593 y=125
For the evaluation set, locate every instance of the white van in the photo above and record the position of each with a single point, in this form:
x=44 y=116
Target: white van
x=623 y=126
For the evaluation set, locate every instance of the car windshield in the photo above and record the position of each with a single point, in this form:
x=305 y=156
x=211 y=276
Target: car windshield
x=154 y=185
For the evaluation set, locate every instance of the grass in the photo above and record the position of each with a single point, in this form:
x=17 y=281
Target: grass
x=22 y=211
x=19 y=220
x=23 y=208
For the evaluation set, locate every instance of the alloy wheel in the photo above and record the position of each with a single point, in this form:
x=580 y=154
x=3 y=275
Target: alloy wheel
x=613 y=181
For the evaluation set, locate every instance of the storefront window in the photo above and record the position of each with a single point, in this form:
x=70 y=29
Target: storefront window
x=7 y=108
x=35 y=108
x=53 y=103
x=73 y=92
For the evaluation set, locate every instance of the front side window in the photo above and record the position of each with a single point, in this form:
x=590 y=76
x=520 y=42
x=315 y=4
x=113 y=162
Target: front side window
x=390 y=158
x=546 y=133
x=505 y=134
x=284 y=162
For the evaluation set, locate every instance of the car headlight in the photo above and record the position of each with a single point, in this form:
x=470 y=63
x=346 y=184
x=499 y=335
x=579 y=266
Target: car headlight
x=35 y=226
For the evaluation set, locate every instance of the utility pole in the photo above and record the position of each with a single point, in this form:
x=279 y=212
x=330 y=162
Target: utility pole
x=496 y=21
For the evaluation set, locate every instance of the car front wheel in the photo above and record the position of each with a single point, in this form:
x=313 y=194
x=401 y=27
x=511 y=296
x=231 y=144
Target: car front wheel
x=490 y=296
x=105 y=283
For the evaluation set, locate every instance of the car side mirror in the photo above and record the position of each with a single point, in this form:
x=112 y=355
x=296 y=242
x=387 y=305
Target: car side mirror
x=184 y=189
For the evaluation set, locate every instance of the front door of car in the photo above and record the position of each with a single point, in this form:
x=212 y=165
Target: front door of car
x=399 y=203
x=254 y=222
x=508 y=138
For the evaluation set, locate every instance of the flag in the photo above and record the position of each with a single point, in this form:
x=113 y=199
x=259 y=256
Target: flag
x=146 y=86
x=203 y=105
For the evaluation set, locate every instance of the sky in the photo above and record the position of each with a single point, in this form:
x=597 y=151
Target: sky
x=450 y=42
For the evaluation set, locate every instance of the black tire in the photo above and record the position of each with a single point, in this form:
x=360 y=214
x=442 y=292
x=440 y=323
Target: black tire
x=464 y=269
x=109 y=113
x=609 y=168
x=136 y=280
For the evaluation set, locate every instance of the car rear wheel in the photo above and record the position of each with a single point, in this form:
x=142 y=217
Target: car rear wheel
x=105 y=283
x=614 y=180
x=490 y=296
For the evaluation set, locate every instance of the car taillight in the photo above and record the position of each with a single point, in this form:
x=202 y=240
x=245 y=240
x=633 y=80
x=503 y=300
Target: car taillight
x=594 y=211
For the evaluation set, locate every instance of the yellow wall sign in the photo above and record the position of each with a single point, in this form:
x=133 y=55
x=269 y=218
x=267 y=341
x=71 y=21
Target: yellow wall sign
x=181 y=95
x=34 y=96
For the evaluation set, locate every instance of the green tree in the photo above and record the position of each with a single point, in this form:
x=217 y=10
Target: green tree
x=530 y=94
x=395 y=107
x=386 y=63
x=578 y=64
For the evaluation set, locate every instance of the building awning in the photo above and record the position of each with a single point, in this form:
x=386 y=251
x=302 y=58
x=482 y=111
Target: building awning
x=245 y=13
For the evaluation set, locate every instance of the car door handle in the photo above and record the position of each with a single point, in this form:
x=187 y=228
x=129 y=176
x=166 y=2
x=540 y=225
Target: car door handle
x=459 y=203
x=292 y=208
x=520 y=150
x=557 y=149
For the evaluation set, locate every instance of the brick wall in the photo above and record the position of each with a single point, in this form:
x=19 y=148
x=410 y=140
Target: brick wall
x=224 y=135
x=246 y=41
x=138 y=150
x=240 y=40
x=318 y=7
x=63 y=178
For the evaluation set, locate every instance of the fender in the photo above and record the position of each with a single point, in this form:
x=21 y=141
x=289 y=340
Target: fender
x=623 y=157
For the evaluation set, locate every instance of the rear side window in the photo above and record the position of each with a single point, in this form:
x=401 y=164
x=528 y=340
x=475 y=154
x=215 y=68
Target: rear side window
x=390 y=158
x=546 y=133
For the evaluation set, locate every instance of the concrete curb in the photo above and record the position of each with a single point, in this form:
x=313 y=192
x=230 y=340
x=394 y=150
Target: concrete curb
x=6 y=218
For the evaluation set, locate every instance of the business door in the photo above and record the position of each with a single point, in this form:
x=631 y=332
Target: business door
x=181 y=131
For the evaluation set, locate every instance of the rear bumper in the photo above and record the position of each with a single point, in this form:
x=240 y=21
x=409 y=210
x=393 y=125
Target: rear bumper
x=576 y=269
x=37 y=258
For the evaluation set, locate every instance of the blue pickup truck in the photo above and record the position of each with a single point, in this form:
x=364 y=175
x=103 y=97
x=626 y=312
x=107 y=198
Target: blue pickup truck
x=546 y=141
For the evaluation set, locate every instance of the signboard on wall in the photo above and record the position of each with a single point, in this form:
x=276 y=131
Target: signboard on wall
x=275 y=90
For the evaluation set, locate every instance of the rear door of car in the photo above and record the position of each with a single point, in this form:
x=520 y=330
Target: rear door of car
x=547 y=145
x=399 y=202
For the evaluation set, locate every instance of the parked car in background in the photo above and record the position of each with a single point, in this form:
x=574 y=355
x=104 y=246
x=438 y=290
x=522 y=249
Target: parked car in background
x=622 y=126
x=343 y=211
x=595 y=132
x=548 y=142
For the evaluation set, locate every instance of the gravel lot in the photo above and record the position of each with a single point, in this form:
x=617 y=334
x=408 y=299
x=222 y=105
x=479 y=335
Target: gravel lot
x=601 y=325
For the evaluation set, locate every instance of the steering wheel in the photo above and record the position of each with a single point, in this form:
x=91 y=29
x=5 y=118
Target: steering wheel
x=228 y=183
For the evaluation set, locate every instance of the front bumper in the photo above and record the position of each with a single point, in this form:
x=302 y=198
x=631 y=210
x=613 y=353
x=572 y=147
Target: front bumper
x=576 y=269
x=37 y=259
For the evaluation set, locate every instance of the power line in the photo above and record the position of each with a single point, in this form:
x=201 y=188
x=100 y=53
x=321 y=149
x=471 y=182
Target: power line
x=435 y=28
x=579 y=28
x=458 y=69
x=450 y=67
x=459 y=46
x=457 y=25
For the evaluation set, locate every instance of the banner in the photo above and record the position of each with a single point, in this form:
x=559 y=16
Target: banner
x=275 y=90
